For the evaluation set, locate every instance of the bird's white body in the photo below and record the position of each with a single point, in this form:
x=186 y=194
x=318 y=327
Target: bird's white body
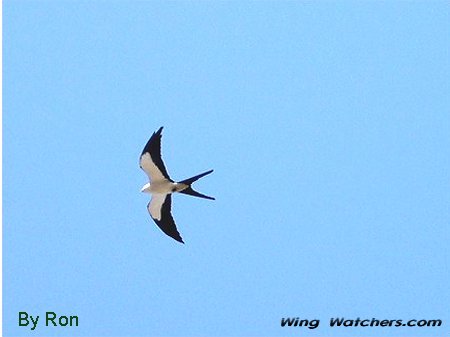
x=163 y=187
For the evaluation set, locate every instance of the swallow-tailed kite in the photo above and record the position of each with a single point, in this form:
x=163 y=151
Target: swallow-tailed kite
x=161 y=186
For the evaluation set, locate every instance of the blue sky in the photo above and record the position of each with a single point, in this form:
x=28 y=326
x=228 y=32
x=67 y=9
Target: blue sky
x=327 y=124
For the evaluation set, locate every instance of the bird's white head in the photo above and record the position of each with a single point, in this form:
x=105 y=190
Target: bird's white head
x=146 y=188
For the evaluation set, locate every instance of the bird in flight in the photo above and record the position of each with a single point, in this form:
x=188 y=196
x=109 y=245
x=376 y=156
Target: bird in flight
x=161 y=186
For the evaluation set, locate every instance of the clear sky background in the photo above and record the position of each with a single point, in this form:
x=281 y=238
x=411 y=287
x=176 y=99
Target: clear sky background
x=328 y=126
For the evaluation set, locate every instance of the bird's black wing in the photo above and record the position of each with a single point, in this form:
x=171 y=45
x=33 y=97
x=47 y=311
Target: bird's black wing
x=160 y=211
x=151 y=161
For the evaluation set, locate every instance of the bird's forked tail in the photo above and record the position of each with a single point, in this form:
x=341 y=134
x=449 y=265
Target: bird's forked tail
x=190 y=190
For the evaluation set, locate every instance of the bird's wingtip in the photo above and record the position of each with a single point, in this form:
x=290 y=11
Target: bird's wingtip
x=158 y=132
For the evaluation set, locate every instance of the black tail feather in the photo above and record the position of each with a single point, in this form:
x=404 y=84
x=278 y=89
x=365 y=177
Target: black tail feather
x=195 y=178
x=191 y=191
